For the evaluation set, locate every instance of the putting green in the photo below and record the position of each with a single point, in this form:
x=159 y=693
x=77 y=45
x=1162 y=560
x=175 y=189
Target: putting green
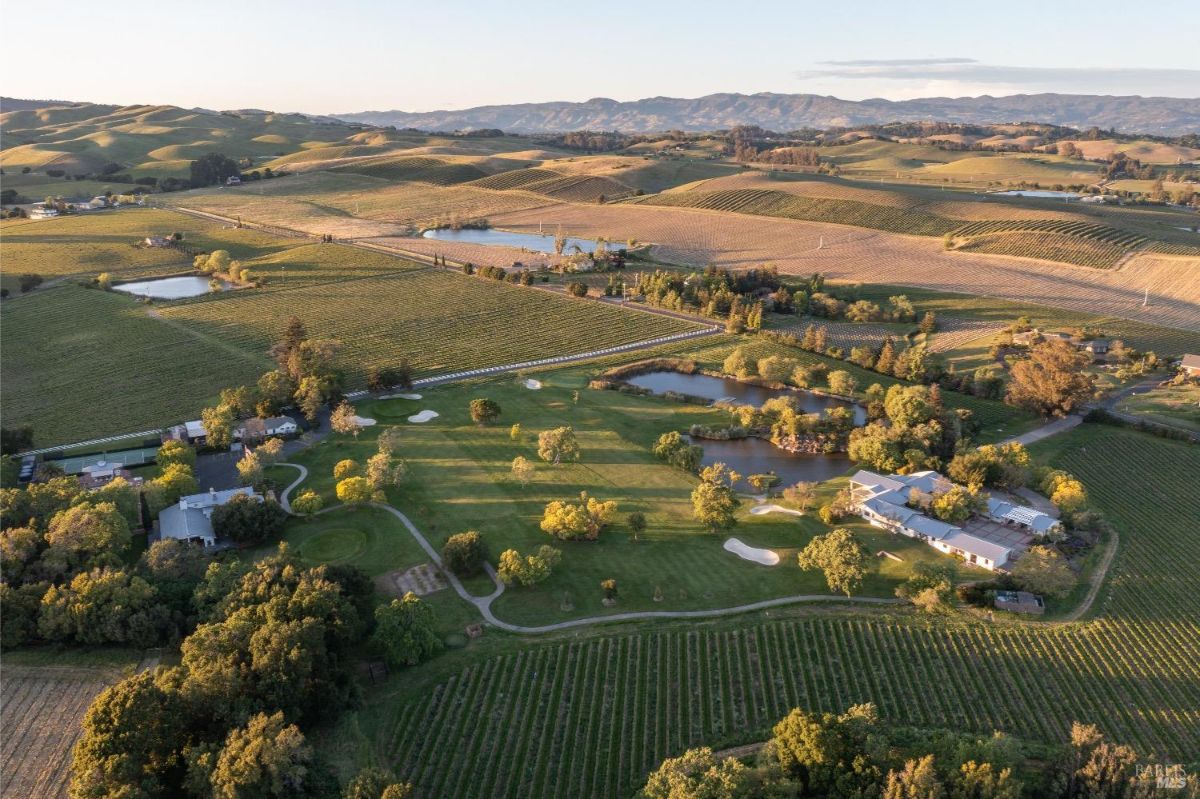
x=337 y=545
x=394 y=408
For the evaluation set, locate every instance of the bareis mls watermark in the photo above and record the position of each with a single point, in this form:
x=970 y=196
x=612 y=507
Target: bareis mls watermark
x=1168 y=776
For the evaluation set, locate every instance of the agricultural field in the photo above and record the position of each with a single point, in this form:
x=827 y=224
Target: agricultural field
x=761 y=202
x=85 y=245
x=73 y=356
x=414 y=168
x=590 y=713
x=1178 y=406
x=81 y=363
x=693 y=237
x=440 y=321
x=355 y=206
x=990 y=313
x=43 y=699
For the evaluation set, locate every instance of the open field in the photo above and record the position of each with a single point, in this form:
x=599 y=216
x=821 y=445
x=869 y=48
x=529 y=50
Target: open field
x=143 y=139
x=1178 y=406
x=587 y=714
x=42 y=702
x=697 y=237
x=81 y=363
x=104 y=241
x=352 y=206
x=993 y=313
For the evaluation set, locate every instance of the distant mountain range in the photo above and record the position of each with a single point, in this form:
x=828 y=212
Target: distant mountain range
x=1164 y=116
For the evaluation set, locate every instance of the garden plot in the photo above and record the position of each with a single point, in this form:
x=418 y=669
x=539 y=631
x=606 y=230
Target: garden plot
x=421 y=580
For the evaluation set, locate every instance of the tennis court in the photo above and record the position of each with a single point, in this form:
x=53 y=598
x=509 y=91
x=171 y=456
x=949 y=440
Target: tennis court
x=127 y=457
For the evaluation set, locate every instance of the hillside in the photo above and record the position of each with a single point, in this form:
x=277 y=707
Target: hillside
x=1158 y=115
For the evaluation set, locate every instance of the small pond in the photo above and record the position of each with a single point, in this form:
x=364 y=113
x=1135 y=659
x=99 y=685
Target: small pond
x=168 y=288
x=1044 y=194
x=507 y=238
x=720 y=388
x=748 y=456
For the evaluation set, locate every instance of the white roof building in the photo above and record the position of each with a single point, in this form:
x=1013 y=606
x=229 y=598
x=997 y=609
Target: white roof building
x=191 y=518
x=881 y=500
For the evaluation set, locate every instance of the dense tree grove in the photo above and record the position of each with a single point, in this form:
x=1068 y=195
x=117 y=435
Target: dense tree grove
x=268 y=655
x=212 y=169
x=855 y=755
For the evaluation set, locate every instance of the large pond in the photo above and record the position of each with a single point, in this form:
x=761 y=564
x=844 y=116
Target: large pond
x=748 y=456
x=168 y=288
x=506 y=238
x=1044 y=194
x=720 y=388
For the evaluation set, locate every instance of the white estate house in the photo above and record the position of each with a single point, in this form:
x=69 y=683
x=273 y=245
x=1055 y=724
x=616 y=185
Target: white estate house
x=190 y=519
x=883 y=501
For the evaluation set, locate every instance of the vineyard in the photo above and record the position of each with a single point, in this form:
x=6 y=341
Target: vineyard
x=414 y=168
x=79 y=363
x=762 y=202
x=40 y=711
x=570 y=188
x=589 y=715
x=1049 y=247
x=439 y=321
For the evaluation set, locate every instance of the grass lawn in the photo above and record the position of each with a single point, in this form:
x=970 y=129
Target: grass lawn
x=1178 y=406
x=460 y=480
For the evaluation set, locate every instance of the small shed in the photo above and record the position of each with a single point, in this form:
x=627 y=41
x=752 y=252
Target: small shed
x=1020 y=602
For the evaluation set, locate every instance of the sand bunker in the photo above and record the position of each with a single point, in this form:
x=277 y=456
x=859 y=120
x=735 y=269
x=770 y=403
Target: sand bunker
x=764 y=556
x=402 y=396
x=363 y=421
x=422 y=417
x=759 y=510
x=533 y=385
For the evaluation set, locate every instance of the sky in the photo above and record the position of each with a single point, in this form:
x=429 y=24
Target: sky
x=356 y=55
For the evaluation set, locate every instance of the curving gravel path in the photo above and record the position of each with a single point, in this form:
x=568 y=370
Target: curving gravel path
x=484 y=603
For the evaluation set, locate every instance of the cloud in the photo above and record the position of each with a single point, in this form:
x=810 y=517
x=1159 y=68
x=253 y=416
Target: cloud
x=899 y=62
x=901 y=76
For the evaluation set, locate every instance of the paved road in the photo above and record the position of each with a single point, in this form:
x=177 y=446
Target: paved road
x=1045 y=431
x=484 y=603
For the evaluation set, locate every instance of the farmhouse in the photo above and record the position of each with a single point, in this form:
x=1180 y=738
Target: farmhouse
x=233 y=180
x=192 y=431
x=42 y=212
x=883 y=502
x=258 y=429
x=157 y=241
x=191 y=518
x=1190 y=365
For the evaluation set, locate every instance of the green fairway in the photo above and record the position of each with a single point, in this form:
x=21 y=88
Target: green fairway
x=369 y=538
x=460 y=479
